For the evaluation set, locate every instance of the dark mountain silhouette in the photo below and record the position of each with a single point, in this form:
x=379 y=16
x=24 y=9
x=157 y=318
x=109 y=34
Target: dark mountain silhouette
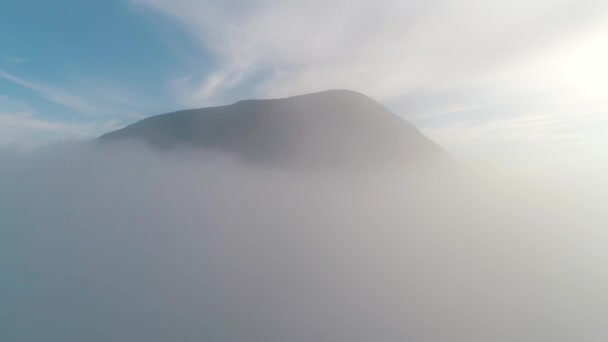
x=335 y=127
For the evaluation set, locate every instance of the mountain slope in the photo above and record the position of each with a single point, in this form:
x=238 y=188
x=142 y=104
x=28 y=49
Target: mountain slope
x=335 y=127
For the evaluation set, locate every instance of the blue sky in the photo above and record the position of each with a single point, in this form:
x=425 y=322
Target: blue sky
x=481 y=78
x=85 y=63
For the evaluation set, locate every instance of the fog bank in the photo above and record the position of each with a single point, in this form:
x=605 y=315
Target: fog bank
x=123 y=243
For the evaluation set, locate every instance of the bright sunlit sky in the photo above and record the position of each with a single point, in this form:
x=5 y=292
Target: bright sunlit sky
x=483 y=78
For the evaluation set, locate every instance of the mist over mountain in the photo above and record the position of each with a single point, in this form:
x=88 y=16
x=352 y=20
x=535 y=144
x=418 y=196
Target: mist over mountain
x=124 y=242
x=330 y=128
x=197 y=235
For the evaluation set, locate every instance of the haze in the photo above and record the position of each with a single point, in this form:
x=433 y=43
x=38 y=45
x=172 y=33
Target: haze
x=304 y=220
x=108 y=244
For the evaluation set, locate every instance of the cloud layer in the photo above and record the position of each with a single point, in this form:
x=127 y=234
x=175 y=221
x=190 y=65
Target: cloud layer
x=127 y=244
x=496 y=63
x=382 y=48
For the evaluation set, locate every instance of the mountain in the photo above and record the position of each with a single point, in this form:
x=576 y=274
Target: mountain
x=330 y=128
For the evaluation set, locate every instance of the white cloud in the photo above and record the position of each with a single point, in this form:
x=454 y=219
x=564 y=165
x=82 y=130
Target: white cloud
x=26 y=130
x=100 y=106
x=552 y=103
x=384 y=48
x=136 y=245
x=53 y=94
x=15 y=59
x=21 y=125
x=540 y=58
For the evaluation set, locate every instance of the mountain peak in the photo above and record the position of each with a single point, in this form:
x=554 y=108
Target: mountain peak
x=333 y=127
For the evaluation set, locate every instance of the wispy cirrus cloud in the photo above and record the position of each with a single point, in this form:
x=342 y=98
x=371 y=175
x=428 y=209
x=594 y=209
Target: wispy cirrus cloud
x=17 y=124
x=503 y=60
x=384 y=48
x=15 y=59
x=23 y=124
x=25 y=129
x=53 y=94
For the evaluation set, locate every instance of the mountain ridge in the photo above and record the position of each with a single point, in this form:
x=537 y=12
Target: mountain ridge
x=333 y=127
